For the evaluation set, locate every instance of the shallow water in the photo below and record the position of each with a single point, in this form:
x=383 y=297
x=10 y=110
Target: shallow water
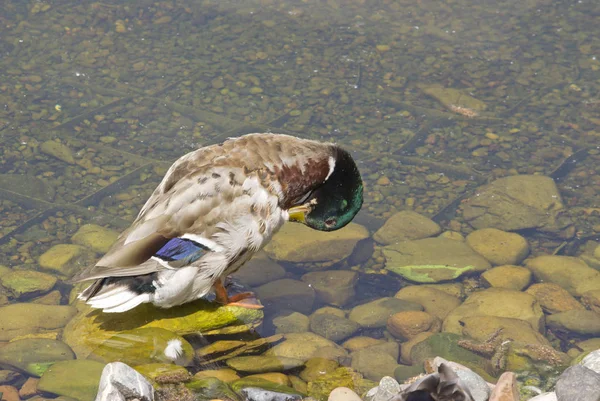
x=434 y=99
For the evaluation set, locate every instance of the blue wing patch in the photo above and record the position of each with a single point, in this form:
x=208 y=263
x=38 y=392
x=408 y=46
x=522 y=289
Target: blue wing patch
x=181 y=249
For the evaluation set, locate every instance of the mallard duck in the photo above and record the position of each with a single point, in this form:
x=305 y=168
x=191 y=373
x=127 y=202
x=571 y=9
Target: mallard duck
x=215 y=208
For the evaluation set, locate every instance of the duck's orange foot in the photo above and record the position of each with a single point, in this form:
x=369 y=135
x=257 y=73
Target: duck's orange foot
x=244 y=299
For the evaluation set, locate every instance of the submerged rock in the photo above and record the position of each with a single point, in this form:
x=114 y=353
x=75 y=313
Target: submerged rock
x=570 y=273
x=376 y=313
x=406 y=225
x=66 y=259
x=287 y=294
x=433 y=260
x=23 y=283
x=34 y=355
x=578 y=383
x=335 y=287
x=77 y=379
x=28 y=185
x=21 y=319
x=519 y=202
x=58 y=150
x=499 y=247
x=304 y=346
x=332 y=327
x=92 y=327
x=263 y=363
x=95 y=237
x=435 y=302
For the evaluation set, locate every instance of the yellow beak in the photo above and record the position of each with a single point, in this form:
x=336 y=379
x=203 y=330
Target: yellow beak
x=298 y=213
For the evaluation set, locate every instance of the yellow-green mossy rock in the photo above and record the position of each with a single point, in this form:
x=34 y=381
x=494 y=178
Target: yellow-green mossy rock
x=145 y=345
x=27 y=282
x=300 y=244
x=406 y=225
x=321 y=387
x=499 y=247
x=304 y=346
x=435 y=302
x=571 y=273
x=480 y=328
x=90 y=328
x=95 y=237
x=66 y=259
x=22 y=319
x=507 y=276
x=497 y=302
x=76 y=379
x=153 y=370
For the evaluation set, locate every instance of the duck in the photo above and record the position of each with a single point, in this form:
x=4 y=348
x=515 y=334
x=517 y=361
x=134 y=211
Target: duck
x=214 y=209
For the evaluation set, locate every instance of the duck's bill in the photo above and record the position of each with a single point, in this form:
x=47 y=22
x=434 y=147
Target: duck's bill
x=298 y=213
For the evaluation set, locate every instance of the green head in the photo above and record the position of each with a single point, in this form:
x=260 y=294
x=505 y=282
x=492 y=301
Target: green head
x=335 y=202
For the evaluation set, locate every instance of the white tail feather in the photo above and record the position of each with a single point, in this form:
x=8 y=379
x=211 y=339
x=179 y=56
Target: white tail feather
x=117 y=299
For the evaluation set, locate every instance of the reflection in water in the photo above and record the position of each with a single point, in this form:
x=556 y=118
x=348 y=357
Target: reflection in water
x=476 y=121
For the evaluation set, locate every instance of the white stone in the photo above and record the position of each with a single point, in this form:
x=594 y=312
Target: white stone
x=343 y=394
x=120 y=382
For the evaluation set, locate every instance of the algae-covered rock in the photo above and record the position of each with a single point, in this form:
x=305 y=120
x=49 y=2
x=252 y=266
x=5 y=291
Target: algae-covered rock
x=553 y=298
x=295 y=322
x=497 y=302
x=519 y=202
x=452 y=97
x=433 y=260
x=90 y=328
x=481 y=328
x=34 y=355
x=376 y=313
x=144 y=345
x=95 y=237
x=570 y=273
x=263 y=363
x=377 y=361
x=254 y=382
x=58 y=150
x=332 y=327
x=66 y=259
x=154 y=371
x=211 y=388
x=24 y=283
x=406 y=225
x=300 y=244
x=304 y=346
x=435 y=302
x=78 y=379
x=21 y=319
x=321 y=387
x=584 y=322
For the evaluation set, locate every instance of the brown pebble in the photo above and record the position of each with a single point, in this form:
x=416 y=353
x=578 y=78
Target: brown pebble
x=29 y=388
x=9 y=393
x=383 y=180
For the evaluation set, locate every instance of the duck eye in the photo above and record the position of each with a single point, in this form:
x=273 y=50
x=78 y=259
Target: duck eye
x=330 y=222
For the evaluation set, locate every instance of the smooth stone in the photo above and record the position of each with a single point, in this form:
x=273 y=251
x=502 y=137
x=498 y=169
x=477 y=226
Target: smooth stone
x=408 y=324
x=343 y=394
x=29 y=388
x=298 y=384
x=480 y=328
x=519 y=202
x=321 y=387
x=295 y=322
x=275 y=377
x=83 y=379
x=407 y=346
x=433 y=260
x=507 y=276
x=335 y=287
x=455 y=289
x=9 y=393
x=225 y=375
x=330 y=310
x=23 y=283
x=377 y=361
x=304 y=346
x=96 y=237
x=259 y=270
x=92 y=327
x=376 y=313
x=318 y=367
x=551 y=396
x=120 y=382
x=262 y=363
x=21 y=319
x=570 y=273
x=592 y=361
x=591 y=299
x=297 y=243
x=407 y=372
x=589 y=345
x=52 y=298
x=34 y=355
x=578 y=383
x=333 y=327
x=499 y=247
x=66 y=259
x=287 y=294
x=144 y=345
x=406 y=225
x=553 y=298
x=257 y=383
x=436 y=302
x=496 y=302
x=10 y=377
x=58 y=150
x=259 y=394
x=356 y=343
x=583 y=322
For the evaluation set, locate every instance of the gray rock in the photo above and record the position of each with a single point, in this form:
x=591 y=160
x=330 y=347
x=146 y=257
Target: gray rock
x=335 y=287
x=295 y=322
x=120 y=382
x=545 y=397
x=332 y=327
x=34 y=355
x=476 y=385
x=287 y=294
x=259 y=394
x=263 y=364
x=259 y=270
x=376 y=313
x=387 y=389
x=377 y=361
x=578 y=383
x=580 y=321
x=592 y=361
